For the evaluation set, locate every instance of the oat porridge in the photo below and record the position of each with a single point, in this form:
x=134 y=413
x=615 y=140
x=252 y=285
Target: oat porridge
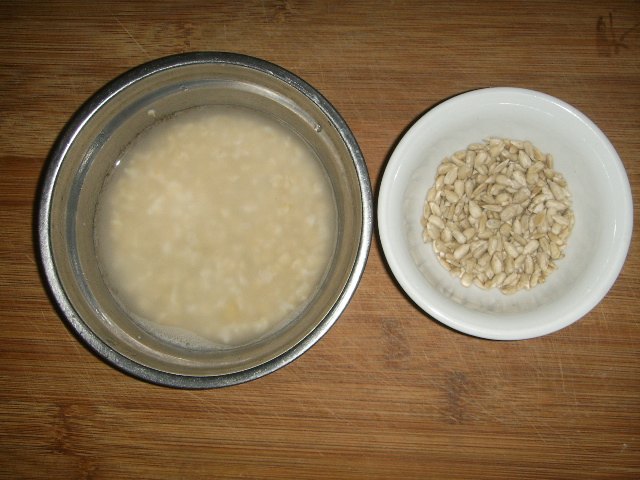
x=218 y=221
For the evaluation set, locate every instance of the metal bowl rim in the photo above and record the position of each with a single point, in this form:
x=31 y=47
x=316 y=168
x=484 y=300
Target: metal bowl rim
x=74 y=127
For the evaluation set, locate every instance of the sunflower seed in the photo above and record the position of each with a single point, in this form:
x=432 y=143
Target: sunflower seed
x=498 y=215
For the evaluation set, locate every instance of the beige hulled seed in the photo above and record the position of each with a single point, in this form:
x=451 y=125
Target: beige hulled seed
x=498 y=215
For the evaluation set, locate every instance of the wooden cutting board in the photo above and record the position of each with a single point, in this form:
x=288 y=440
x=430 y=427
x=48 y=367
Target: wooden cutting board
x=388 y=392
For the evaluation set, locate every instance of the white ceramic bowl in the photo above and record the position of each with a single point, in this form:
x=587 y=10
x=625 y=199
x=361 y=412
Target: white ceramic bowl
x=602 y=204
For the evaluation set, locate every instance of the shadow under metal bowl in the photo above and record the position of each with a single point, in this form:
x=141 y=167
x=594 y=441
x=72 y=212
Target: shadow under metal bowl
x=85 y=154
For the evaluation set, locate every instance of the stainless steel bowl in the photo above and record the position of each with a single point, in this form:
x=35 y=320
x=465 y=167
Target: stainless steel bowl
x=85 y=154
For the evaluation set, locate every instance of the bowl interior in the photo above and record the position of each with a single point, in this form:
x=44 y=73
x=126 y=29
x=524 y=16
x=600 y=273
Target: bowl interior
x=112 y=121
x=601 y=203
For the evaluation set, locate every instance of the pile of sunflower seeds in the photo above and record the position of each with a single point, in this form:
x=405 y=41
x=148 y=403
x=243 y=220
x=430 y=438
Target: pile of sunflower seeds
x=498 y=215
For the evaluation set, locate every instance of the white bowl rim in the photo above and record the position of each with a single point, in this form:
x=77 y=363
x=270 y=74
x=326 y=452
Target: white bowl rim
x=439 y=310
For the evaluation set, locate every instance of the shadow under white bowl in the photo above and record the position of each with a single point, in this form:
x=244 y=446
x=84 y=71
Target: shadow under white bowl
x=602 y=204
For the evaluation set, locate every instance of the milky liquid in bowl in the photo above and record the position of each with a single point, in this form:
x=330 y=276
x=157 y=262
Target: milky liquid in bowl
x=216 y=227
x=82 y=163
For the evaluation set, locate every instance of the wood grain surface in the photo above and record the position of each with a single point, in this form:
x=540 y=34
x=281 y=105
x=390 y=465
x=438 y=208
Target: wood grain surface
x=388 y=392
